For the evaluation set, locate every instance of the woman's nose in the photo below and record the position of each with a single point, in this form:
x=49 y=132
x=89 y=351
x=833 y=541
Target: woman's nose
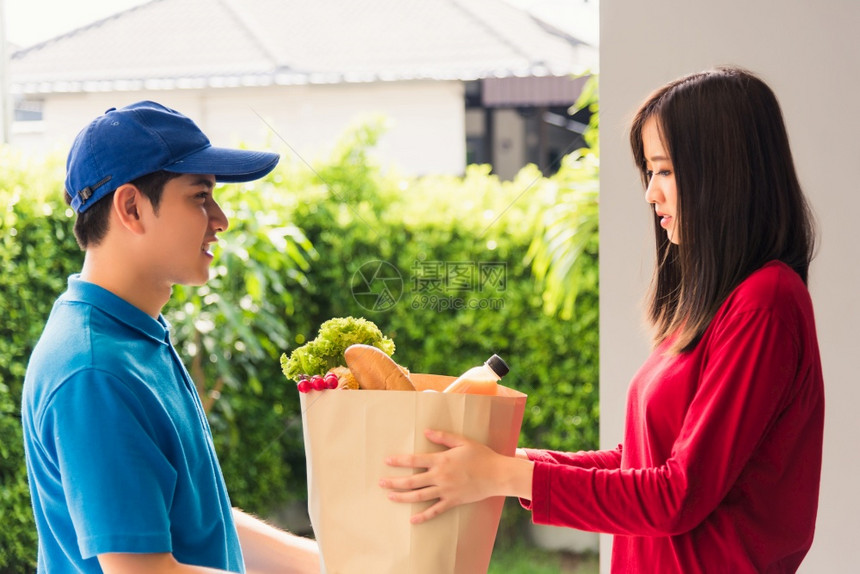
x=652 y=192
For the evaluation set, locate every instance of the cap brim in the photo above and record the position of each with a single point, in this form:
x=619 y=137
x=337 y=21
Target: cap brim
x=226 y=164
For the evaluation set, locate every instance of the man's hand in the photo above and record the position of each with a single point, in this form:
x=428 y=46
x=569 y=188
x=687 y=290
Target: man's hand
x=270 y=550
x=267 y=550
x=162 y=563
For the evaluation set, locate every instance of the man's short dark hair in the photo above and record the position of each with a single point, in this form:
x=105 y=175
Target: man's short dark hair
x=91 y=226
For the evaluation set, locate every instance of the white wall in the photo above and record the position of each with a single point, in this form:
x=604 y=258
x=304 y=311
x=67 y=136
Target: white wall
x=425 y=119
x=808 y=52
x=509 y=145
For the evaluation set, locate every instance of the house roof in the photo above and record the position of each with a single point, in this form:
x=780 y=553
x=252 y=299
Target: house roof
x=212 y=43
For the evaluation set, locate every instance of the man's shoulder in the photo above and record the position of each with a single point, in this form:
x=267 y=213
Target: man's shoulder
x=78 y=339
x=65 y=344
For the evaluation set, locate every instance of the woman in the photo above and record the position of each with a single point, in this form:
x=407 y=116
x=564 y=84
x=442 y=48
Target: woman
x=720 y=465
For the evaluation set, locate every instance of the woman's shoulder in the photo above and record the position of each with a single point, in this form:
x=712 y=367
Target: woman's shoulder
x=775 y=286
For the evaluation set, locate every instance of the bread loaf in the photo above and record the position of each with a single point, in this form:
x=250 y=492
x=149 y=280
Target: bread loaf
x=374 y=370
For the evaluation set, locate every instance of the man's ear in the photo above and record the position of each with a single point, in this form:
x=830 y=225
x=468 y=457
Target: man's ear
x=128 y=206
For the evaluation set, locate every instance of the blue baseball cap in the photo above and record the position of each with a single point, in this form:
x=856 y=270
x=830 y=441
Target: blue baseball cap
x=127 y=143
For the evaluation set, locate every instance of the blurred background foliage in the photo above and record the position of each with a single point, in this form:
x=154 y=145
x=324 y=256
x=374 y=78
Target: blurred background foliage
x=518 y=258
x=565 y=242
x=37 y=253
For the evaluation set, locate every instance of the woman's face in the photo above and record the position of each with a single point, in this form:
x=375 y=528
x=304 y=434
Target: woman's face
x=661 y=190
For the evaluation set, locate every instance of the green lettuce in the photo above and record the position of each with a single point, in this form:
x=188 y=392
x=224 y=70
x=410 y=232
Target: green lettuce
x=325 y=352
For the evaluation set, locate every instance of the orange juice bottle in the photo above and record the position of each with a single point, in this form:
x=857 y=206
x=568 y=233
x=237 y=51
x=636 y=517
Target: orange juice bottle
x=481 y=380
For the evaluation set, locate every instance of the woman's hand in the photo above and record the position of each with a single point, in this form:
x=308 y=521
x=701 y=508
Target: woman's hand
x=467 y=472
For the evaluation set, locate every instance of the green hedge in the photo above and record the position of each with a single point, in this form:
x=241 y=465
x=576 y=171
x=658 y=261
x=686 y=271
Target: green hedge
x=37 y=253
x=294 y=256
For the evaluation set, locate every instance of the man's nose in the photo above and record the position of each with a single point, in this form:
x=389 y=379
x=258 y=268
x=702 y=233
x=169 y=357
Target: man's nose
x=218 y=217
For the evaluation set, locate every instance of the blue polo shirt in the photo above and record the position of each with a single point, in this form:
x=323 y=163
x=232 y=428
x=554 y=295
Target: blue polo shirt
x=119 y=453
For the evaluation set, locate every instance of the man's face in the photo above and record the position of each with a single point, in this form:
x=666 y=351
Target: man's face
x=184 y=229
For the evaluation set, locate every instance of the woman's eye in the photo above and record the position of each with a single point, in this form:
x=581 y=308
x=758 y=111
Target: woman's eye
x=663 y=172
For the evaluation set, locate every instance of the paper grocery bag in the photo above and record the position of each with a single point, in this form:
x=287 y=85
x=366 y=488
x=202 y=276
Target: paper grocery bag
x=348 y=435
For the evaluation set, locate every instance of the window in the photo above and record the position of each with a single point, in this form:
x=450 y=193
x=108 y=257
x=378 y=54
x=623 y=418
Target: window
x=27 y=110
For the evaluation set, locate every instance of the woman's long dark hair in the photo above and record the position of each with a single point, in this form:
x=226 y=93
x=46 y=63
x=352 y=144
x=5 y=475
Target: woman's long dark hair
x=739 y=201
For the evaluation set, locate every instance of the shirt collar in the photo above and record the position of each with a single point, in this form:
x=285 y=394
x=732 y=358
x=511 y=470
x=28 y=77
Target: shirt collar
x=118 y=308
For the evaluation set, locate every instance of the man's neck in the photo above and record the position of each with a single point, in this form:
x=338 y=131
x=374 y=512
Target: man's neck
x=125 y=281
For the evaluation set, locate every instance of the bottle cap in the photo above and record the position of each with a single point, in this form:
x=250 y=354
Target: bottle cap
x=499 y=366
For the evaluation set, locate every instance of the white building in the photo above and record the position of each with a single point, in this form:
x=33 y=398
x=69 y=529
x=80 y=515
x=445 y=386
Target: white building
x=459 y=81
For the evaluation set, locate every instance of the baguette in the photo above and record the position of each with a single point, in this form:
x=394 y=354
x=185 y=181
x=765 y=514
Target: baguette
x=374 y=370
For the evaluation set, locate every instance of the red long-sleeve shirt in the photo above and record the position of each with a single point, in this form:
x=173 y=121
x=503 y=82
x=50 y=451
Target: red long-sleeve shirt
x=720 y=465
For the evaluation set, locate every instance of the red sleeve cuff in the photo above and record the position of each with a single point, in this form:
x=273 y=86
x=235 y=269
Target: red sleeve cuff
x=539 y=455
x=540 y=503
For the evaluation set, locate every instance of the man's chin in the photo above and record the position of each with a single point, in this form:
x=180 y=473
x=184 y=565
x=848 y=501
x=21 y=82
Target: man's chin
x=194 y=281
